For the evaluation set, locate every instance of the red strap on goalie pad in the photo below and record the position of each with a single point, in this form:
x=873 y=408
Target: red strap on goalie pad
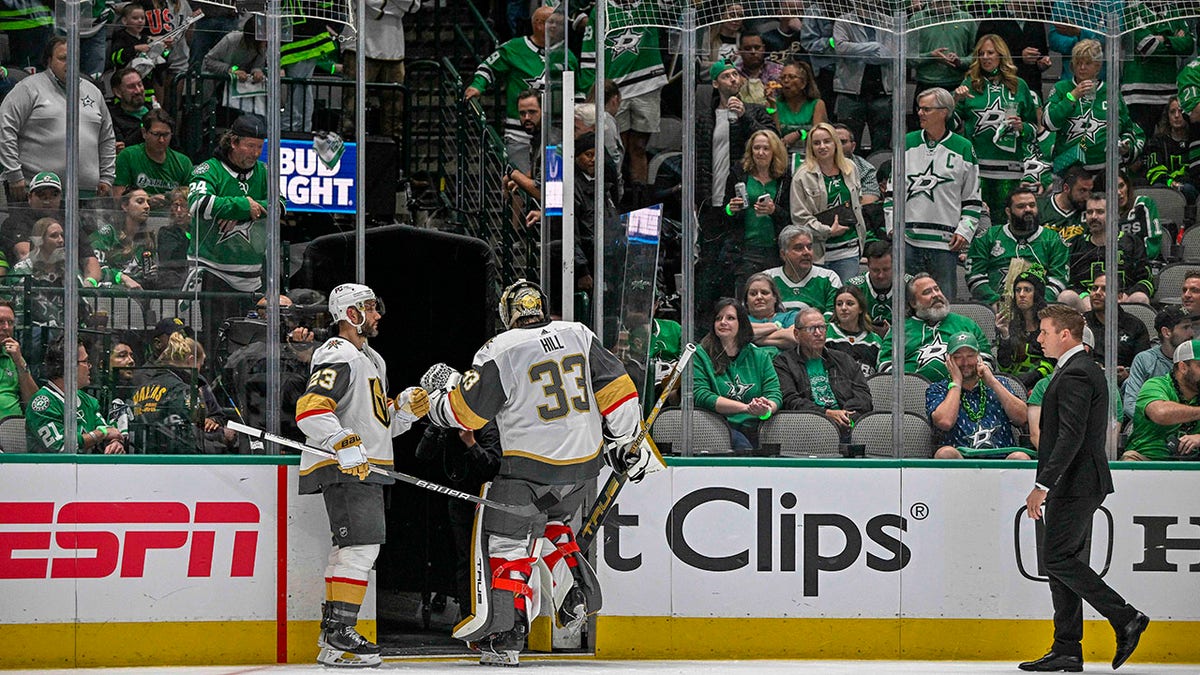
x=501 y=568
x=563 y=549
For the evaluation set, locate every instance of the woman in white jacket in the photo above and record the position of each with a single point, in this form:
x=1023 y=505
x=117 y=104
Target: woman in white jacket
x=827 y=179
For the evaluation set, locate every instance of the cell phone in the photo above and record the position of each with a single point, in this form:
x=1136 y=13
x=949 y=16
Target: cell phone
x=762 y=198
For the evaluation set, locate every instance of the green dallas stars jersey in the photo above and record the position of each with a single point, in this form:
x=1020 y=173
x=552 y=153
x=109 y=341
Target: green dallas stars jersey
x=879 y=305
x=942 y=194
x=517 y=65
x=992 y=252
x=1079 y=128
x=217 y=193
x=1149 y=76
x=816 y=290
x=44 y=419
x=633 y=57
x=925 y=345
x=1001 y=153
x=1188 y=82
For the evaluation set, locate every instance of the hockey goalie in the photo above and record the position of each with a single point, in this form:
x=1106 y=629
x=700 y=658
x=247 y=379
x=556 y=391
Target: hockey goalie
x=563 y=404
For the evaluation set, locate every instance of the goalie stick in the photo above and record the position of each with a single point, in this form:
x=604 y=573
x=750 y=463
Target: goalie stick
x=612 y=487
x=526 y=510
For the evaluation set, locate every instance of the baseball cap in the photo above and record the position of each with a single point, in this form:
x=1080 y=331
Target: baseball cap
x=1089 y=338
x=45 y=179
x=960 y=340
x=249 y=126
x=171 y=325
x=715 y=70
x=1188 y=351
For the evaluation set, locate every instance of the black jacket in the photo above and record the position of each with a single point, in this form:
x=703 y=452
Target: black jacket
x=1132 y=337
x=754 y=118
x=1072 y=461
x=845 y=378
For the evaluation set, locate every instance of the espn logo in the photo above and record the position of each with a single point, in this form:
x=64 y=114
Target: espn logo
x=98 y=539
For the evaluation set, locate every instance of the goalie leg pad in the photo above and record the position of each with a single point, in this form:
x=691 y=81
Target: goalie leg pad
x=576 y=587
x=504 y=538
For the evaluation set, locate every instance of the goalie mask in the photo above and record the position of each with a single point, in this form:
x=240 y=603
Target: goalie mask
x=357 y=296
x=520 y=300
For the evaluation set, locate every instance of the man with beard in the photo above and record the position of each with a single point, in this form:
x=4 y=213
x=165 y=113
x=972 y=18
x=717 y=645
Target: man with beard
x=927 y=332
x=973 y=409
x=227 y=199
x=1132 y=337
x=1167 y=413
x=128 y=107
x=1174 y=327
x=1087 y=254
x=1021 y=237
x=1063 y=210
x=876 y=285
x=529 y=110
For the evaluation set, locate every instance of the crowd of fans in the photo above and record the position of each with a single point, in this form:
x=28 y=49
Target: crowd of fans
x=1003 y=189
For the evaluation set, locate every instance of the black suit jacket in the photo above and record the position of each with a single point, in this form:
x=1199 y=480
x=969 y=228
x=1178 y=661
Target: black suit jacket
x=1071 y=458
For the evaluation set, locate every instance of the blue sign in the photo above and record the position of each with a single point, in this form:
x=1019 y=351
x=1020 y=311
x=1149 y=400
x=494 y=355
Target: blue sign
x=308 y=185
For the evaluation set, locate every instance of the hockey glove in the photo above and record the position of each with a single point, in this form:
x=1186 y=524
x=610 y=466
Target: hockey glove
x=440 y=377
x=350 y=456
x=411 y=405
x=635 y=463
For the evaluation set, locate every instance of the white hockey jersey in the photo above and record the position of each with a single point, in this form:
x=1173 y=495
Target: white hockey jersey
x=347 y=389
x=548 y=386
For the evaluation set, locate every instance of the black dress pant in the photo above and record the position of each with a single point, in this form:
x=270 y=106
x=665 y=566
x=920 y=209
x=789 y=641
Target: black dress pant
x=1072 y=580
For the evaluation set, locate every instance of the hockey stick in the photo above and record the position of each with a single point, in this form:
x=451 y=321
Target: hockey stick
x=608 y=495
x=525 y=510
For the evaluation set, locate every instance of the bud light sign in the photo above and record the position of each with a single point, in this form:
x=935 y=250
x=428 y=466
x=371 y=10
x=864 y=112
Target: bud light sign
x=308 y=184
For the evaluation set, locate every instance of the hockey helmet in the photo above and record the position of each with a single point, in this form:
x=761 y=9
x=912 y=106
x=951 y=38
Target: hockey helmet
x=345 y=296
x=522 y=299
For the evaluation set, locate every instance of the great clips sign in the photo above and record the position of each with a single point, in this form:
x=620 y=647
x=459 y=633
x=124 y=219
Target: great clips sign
x=308 y=184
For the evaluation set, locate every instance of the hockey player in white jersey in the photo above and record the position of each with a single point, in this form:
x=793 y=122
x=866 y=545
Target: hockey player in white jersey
x=345 y=409
x=557 y=395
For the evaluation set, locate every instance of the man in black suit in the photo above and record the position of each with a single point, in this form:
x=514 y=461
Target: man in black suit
x=1073 y=476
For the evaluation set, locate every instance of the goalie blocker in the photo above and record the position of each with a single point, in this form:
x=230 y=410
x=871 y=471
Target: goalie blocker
x=552 y=389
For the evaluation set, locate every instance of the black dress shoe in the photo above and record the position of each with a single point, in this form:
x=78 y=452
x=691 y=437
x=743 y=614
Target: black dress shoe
x=1127 y=638
x=1054 y=662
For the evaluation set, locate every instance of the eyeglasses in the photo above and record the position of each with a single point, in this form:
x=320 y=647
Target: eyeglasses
x=930 y=108
x=159 y=134
x=83 y=362
x=815 y=330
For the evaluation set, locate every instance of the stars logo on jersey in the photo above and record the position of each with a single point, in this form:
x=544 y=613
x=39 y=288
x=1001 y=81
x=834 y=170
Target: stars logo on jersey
x=1085 y=126
x=931 y=352
x=990 y=118
x=736 y=389
x=982 y=438
x=236 y=230
x=628 y=41
x=41 y=403
x=87 y=101
x=926 y=182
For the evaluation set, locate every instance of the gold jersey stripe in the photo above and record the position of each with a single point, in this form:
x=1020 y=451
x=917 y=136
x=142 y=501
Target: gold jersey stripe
x=463 y=412
x=546 y=460
x=614 y=393
x=309 y=403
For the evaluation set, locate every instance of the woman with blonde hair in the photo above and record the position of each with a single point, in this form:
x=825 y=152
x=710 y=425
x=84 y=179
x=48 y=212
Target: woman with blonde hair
x=999 y=116
x=756 y=221
x=175 y=412
x=825 y=180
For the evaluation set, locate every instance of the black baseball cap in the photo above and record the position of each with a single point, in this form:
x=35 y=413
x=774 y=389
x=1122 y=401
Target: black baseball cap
x=171 y=325
x=249 y=126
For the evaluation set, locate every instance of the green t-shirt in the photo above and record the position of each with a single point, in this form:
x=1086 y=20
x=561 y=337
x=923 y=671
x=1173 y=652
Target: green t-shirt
x=10 y=388
x=44 y=419
x=818 y=383
x=136 y=170
x=1038 y=392
x=798 y=120
x=1150 y=438
x=760 y=230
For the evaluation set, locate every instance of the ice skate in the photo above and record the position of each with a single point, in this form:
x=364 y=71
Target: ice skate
x=503 y=649
x=345 y=648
